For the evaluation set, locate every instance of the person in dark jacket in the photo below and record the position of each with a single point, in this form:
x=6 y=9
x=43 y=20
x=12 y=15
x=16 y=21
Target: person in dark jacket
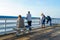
x=49 y=20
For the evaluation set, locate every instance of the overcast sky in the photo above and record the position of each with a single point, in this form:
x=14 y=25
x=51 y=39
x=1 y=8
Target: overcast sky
x=36 y=7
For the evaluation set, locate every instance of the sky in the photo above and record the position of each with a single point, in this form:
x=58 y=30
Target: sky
x=36 y=7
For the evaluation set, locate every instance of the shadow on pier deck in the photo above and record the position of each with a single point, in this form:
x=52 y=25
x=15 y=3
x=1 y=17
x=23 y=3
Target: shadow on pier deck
x=48 y=33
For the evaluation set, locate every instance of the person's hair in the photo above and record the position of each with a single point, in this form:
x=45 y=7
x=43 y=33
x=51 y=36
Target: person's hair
x=28 y=11
x=19 y=16
x=42 y=14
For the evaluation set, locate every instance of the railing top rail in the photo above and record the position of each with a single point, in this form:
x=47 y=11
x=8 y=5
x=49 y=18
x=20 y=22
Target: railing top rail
x=17 y=17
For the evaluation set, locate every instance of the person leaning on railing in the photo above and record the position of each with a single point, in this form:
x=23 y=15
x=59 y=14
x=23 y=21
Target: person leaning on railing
x=20 y=25
x=49 y=20
x=20 y=22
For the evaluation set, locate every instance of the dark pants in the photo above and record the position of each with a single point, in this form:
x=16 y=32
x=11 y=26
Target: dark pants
x=50 y=22
x=43 y=23
x=29 y=23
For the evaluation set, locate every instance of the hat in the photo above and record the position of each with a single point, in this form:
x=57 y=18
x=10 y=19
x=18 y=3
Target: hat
x=42 y=14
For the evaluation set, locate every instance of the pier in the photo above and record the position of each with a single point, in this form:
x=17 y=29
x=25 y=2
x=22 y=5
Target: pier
x=37 y=33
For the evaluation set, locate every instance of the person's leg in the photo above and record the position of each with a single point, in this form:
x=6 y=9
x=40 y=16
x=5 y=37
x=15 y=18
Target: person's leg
x=43 y=24
x=47 y=21
x=30 y=28
x=17 y=31
x=30 y=25
x=50 y=23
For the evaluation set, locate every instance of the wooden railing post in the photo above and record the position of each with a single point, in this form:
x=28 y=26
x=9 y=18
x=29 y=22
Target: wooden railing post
x=39 y=21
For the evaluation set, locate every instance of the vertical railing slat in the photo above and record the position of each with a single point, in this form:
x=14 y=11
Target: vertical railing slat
x=5 y=25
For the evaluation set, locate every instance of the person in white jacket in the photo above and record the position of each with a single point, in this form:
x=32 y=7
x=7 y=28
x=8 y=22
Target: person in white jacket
x=29 y=19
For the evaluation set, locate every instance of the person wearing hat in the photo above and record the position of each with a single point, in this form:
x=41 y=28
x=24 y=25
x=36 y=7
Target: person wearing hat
x=43 y=20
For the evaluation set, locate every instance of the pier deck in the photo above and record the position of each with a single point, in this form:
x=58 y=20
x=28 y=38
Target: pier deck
x=48 y=33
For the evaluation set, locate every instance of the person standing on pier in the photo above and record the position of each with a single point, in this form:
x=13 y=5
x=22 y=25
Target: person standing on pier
x=43 y=20
x=29 y=20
